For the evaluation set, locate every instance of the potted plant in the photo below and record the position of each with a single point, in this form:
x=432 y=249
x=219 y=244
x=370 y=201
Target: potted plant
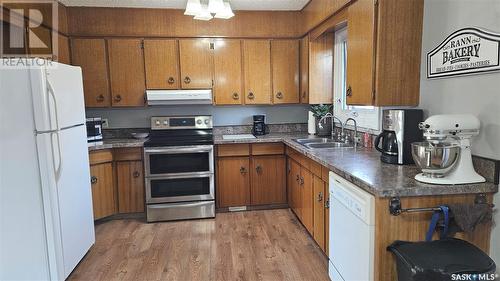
x=319 y=111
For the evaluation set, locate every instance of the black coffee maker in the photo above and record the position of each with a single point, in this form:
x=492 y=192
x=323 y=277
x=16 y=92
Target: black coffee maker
x=259 y=125
x=400 y=129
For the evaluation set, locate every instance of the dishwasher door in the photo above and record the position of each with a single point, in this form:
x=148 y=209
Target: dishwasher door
x=352 y=231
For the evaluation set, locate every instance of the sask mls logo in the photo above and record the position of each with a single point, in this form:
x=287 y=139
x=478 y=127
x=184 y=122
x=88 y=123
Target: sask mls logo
x=466 y=51
x=28 y=28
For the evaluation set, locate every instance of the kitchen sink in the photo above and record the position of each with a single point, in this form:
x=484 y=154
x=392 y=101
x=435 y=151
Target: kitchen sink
x=317 y=143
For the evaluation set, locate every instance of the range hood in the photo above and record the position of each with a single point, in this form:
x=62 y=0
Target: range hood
x=166 y=97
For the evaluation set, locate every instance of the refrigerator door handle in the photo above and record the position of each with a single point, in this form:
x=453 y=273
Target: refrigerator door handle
x=53 y=95
x=57 y=167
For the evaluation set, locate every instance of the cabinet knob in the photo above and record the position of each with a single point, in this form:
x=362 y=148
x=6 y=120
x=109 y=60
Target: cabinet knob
x=320 y=196
x=251 y=96
x=187 y=80
x=297 y=179
x=99 y=98
x=301 y=181
x=93 y=179
x=258 y=169
x=171 y=80
x=118 y=98
x=304 y=95
x=279 y=95
x=243 y=170
x=136 y=174
x=348 y=93
x=327 y=204
x=236 y=96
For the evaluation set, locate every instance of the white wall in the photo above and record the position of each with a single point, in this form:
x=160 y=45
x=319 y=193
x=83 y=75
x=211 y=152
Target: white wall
x=478 y=94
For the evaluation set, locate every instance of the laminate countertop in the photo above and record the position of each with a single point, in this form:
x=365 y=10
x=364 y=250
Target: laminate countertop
x=361 y=166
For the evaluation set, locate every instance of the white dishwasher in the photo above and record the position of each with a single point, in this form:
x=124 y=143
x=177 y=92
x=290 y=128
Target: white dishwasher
x=352 y=231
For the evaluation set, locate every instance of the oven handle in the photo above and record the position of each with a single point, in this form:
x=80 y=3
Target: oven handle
x=179 y=149
x=180 y=176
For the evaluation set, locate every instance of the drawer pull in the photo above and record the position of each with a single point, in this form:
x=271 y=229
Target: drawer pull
x=187 y=80
x=279 y=95
x=243 y=170
x=171 y=80
x=251 y=96
x=99 y=98
x=349 y=91
x=236 y=96
x=320 y=196
x=118 y=98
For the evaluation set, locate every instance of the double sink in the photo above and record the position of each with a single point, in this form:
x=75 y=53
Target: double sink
x=317 y=143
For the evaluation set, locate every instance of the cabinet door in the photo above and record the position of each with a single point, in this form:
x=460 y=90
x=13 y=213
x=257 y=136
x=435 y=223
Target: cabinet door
x=257 y=62
x=360 y=52
x=90 y=55
x=233 y=181
x=327 y=217
x=306 y=208
x=304 y=70
x=268 y=180
x=285 y=65
x=126 y=70
x=295 y=187
x=103 y=191
x=130 y=181
x=321 y=69
x=161 y=61
x=227 y=74
x=319 y=211
x=196 y=63
x=63 y=49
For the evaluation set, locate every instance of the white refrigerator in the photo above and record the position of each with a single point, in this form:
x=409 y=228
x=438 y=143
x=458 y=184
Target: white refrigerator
x=46 y=224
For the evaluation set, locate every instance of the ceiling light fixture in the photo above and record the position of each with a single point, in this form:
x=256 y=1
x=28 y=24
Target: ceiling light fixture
x=208 y=9
x=193 y=8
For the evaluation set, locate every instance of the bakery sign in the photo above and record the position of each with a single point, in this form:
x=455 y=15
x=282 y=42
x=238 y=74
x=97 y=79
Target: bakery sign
x=465 y=51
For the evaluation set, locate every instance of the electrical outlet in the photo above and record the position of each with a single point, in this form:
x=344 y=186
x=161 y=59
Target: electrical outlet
x=105 y=123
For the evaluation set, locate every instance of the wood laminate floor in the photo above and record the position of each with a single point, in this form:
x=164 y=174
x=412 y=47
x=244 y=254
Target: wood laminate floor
x=255 y=245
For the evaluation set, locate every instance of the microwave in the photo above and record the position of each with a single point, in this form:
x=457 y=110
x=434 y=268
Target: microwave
x=94 y=129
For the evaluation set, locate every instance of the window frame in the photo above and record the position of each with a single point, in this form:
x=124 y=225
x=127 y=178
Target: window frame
x=367 y=117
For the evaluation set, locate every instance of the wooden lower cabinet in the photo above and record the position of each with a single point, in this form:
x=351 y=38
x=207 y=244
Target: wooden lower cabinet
x=294 y=187
x=103 y=190
x=268 y=180
x=319 y=211
x=130 y=184
x=306 y=212
x=233 y=181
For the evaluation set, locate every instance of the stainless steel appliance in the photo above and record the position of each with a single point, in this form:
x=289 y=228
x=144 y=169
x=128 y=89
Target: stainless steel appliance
x=179 y=168
x=94 y=129
x=445 y=157
x=259 y=125
x=400 y=129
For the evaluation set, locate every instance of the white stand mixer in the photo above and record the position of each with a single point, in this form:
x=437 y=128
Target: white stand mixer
x=446 y=156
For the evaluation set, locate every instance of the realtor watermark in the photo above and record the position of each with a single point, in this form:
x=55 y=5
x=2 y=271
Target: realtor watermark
x=29 y=33
x=475 y=277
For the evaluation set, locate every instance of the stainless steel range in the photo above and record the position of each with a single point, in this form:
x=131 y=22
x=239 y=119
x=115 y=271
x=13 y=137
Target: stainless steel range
x=179 y=168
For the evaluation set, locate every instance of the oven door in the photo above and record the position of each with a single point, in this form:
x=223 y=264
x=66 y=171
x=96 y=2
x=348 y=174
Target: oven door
x=177 y=160
x=180 y=188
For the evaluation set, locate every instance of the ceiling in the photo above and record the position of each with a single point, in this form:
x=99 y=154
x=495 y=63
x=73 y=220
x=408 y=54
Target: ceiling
x=254 y=5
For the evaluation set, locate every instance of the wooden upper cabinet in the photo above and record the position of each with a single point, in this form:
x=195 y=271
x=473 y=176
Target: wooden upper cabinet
x=90 y=55
x=257 y=69
x=360 y=52
x=227 y=72
x=321 y=69
x=285 y=66
x=63 y=55
x=304 y=70
x=126 y=69
x=161 y=61
x=196 y=63
x=268 y=180
x=233 y=181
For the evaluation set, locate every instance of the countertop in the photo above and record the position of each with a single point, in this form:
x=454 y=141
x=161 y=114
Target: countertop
x=361 y=166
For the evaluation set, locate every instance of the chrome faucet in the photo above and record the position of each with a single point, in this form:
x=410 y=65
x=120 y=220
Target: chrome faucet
x=354 y=137
x=333 y=117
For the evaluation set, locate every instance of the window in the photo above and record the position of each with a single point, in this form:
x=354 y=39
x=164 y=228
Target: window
x=367 y=117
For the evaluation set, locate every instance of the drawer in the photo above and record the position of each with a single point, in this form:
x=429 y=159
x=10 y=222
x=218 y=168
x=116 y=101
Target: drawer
x=127 y=154
x=268 y=148
x=315 y=168
x=324 y=173
x=100 y=156
x=240 y=149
